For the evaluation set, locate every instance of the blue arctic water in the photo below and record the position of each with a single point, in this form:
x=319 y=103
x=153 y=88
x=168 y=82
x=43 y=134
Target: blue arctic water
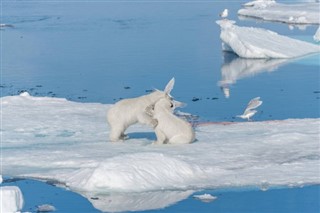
x=293 y=200
x=106 y=50
x=102 y=51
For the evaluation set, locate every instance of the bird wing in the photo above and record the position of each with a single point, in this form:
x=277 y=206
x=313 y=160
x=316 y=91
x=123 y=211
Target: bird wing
x=254 y=103
x=247 y=111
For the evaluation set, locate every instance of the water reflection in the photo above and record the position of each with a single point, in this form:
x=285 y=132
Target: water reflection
x=235 y=68
x=120 y=202
x=291 y=26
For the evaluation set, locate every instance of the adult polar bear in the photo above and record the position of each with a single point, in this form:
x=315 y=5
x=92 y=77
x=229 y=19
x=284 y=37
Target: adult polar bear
x=126 y=112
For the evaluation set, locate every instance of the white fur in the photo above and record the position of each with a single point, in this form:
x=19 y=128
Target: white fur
x=130 y=111
x=170 y=128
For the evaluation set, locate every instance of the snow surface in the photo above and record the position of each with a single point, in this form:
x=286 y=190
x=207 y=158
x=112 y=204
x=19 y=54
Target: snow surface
x=11 y=199
x=316 y=36
x=249 y=42
x=53 y=138
x=300 y=13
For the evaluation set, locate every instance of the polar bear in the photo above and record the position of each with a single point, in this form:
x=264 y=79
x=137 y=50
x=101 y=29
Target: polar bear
x=127 y=112
x=168 y=127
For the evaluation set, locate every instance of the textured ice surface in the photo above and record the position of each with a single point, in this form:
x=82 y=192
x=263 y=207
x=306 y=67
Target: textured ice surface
x=67 y=141
x=250 y=42
x=299 y=13
x=11 y=199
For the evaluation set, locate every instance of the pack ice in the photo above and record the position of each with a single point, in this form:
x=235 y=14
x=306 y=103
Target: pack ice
x=57 y=139
x=270 y=10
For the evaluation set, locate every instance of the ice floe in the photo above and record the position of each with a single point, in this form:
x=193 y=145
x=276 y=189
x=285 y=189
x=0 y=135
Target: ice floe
x=249 y=42
x=270 y=10
x=205 y=197
x=316 y=36
x=45 y=208
x=11 y=199
x=53 y=138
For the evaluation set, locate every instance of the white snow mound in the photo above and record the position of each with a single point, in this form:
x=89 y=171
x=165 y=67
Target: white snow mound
x=137 y=172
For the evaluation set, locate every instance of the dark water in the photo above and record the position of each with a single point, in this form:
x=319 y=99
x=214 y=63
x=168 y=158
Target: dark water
x=102 y=51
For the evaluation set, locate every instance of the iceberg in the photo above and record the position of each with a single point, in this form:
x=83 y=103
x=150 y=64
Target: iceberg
x=249 y=42
x=56 y=139
x=11 y=199
x=270 y=10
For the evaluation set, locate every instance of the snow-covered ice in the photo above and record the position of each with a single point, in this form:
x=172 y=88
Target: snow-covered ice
x=316 y=36
x=45 y=208
x=53 y=138
x=249 y=42
x=299 y=13
x=11 y=199
x=205 y=197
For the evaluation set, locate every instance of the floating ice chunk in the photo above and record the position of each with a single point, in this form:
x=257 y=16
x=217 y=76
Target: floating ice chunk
x=11 y=199
x=316 y=36
x=302 y=13
x=1 y=179
x=205 y=197
x=5 y=25
x=45 y=208
x=249 y=42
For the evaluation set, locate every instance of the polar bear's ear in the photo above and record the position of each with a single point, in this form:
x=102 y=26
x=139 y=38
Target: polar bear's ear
x=169 y=86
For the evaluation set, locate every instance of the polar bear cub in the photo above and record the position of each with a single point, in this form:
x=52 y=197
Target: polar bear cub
x=168 y=127
x=127 y=112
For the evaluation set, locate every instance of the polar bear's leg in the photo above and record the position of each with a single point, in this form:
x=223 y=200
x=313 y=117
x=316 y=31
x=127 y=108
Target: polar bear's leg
x=117 y=133
x=161 y=137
